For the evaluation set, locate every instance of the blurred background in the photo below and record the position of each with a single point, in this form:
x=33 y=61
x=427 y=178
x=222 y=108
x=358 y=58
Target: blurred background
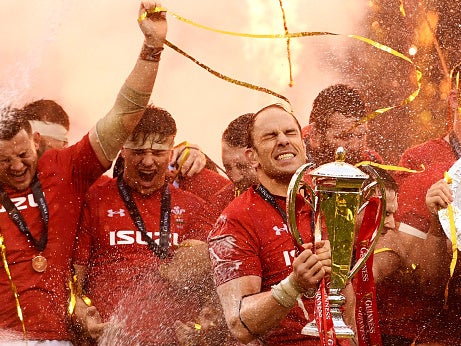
x=78 y=53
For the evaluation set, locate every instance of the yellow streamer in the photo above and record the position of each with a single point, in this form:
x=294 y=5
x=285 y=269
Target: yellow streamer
x=381 y=250
x=13 y=286
x=87 y=300
x=287 y=35
x=72 y=296
x=454 y=77
x=285 y=27
x=457 y=81
x=453 y=239
x=402 y=9
x=226 y=78
x=232 y=33
x=184 y=155
x=455 y=71
x=389 y=167
x=413 y=95
x=454 y=242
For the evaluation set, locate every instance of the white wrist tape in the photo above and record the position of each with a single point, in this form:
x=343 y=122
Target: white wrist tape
x=285 y=293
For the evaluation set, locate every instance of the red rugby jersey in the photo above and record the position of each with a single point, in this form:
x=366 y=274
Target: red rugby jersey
x=64 y=175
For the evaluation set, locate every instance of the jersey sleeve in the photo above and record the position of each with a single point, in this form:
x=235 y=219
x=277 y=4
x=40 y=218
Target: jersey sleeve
x=234 y=249
x=78 y=163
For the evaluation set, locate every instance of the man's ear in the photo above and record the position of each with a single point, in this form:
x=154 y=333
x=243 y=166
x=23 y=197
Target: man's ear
x=313 y=136
x=36 y=138
x=252 y=157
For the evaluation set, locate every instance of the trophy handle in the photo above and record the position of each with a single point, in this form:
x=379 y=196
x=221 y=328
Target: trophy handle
x=295 y=182
x=379 y=222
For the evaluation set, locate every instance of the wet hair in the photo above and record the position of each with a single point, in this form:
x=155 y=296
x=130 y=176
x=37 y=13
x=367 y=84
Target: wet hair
x=251 y=123
x=336 y=98
x=155 y=120
x=12 y=122
x=46 y=110
x=236 y=133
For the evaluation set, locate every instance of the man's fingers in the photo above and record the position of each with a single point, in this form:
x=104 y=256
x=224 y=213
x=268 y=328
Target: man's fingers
x=438 y=196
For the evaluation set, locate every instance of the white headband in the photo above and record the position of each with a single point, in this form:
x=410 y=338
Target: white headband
x=52 y=130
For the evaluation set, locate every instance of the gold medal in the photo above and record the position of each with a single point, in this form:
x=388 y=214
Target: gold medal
x=39 y=263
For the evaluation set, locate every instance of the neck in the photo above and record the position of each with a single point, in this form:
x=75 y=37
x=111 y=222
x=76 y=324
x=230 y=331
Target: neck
x=276 y=188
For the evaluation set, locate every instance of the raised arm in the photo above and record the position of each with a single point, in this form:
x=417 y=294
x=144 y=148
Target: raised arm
x=110 y=132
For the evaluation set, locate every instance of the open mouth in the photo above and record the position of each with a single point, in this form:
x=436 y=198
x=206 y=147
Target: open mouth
x=146 y=176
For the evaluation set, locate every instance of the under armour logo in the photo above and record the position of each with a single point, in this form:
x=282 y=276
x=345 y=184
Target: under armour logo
x=111 y=212
x=279 y=230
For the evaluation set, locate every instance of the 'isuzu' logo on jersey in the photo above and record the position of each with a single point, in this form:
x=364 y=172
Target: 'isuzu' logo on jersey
x=127 y=237
x=22 y=202
x=279 y=230
x=111 y=213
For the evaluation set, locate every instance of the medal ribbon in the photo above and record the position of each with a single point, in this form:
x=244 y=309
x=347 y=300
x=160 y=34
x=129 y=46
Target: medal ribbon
x=322 y=307
x=16 y=216
x=366 y=311
x=269 y=198
x=13 y=286
x=160 y=250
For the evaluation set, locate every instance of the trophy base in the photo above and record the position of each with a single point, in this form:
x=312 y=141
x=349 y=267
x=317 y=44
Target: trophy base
x=342 y=331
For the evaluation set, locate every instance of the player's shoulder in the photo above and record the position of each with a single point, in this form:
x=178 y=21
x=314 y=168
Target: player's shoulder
x=101 y=187
x=179 y=195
